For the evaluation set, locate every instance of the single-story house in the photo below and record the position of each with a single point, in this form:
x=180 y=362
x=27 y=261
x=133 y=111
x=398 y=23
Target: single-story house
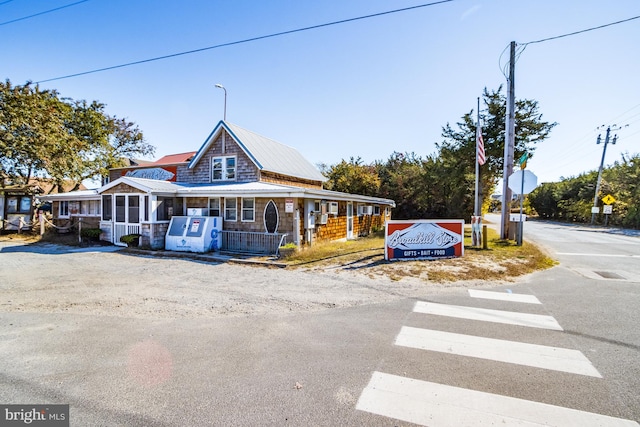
x=265 y=192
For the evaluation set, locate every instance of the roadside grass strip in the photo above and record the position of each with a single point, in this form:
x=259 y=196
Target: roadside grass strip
x=430 y=404
x=504 y=296
x=487 y=315
x=538 y=356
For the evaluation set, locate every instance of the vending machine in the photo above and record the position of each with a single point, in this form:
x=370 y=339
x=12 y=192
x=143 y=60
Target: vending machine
x=194 y=234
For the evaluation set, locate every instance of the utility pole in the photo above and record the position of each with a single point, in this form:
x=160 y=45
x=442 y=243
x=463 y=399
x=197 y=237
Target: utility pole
x=509 y=143
x=604 y=151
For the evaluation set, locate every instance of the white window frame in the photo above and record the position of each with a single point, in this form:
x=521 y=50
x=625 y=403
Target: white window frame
x=247 y=210
x=128 y=218
x=63 y=209
x=376 y=210
x=333 y=208
x=110 y=214
x=225 y=171
x=228 y=209
x=211 y=199
x=90 y=207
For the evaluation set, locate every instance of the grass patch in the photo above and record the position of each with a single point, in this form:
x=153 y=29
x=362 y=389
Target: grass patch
x=502 y=260
x=341 y=252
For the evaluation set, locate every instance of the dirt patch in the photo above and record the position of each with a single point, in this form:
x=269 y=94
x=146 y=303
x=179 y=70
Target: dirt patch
x=100 y=281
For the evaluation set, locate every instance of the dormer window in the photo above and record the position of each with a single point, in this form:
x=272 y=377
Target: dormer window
x=223 y=168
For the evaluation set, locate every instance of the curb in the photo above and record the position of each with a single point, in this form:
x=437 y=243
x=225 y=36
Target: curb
x=205 y=257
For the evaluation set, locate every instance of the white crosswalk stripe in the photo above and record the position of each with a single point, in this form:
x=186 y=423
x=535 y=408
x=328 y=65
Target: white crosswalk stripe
x=487 y=315
x=539 y=356
x=439 y=405
x=430 y=404
x=504 y=296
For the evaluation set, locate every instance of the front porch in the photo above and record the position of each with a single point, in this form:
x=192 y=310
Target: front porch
x=153 y=236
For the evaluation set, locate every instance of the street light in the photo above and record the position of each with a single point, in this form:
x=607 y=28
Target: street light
x=218 y=85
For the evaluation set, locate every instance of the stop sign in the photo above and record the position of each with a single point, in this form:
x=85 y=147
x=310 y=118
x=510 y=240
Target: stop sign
x=515 y=182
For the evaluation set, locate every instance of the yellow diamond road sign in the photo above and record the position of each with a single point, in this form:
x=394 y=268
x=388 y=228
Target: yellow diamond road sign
x=608 y=199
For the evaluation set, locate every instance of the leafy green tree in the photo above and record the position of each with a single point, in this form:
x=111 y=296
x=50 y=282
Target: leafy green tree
x=44 y=135
x=30 y=129
x=352 y=177
x=544 y=199
x=457 y=150
x=572 y=198
x=623 y=183
x=402 y=179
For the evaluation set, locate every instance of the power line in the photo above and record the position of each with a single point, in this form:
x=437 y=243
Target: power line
x=40 y=13
x=5 y=2
x=252 y=39
x=581 y=31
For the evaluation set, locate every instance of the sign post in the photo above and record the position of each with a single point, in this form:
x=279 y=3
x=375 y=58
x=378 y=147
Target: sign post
x=522 y=182
x=607 y=209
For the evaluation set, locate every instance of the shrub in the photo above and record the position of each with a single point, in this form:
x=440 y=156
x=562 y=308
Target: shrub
x=91 y=233
x=129 y=238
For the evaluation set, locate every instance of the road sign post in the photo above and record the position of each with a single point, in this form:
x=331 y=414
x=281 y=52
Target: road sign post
x=607 y=209
x=522 y=182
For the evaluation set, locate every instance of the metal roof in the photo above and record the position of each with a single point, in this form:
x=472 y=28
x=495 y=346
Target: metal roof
x=235 y=189
x=175 y=158
x=268 y=155
x=72 y=195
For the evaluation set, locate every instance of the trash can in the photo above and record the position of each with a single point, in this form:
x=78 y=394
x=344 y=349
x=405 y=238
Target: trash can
x=516 y=226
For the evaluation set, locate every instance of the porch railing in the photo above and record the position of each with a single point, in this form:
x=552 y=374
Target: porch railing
x=122 y=230
x=252 y=242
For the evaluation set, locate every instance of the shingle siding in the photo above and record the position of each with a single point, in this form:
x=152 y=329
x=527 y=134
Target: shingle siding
x=246 y=170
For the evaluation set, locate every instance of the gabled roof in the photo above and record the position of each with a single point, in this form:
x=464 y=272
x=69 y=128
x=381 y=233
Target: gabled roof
x=143 y=184
x=268 y=155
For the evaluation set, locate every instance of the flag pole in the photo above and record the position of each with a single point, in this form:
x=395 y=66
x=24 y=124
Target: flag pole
x=476 y=220
x=476 y=209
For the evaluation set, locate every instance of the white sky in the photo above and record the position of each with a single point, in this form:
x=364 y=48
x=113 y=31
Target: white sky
x=360 y=89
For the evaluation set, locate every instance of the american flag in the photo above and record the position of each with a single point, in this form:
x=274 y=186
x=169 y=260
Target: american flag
x=480 y=145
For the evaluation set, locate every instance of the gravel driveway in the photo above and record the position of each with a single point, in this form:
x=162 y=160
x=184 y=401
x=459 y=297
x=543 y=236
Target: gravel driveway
x=106 y=281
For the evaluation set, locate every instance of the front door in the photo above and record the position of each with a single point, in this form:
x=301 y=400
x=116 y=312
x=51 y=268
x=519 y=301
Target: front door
x=349 y=220
x=127 y=216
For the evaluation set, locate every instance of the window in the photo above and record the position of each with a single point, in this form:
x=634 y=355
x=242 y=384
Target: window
x=223 y=168
x=90 y=207
x=146 y=208
x=248 y=209
x=333 y=208
x=120 y=209
x=25 y=204
x=231 y=209
x=107 y=206
x=63 y=210
x=134 y=209
x=165 y=208
x=214 y=207
x=376 y=210
x=12 y=205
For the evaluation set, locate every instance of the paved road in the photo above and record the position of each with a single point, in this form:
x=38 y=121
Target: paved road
x=562 y=347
